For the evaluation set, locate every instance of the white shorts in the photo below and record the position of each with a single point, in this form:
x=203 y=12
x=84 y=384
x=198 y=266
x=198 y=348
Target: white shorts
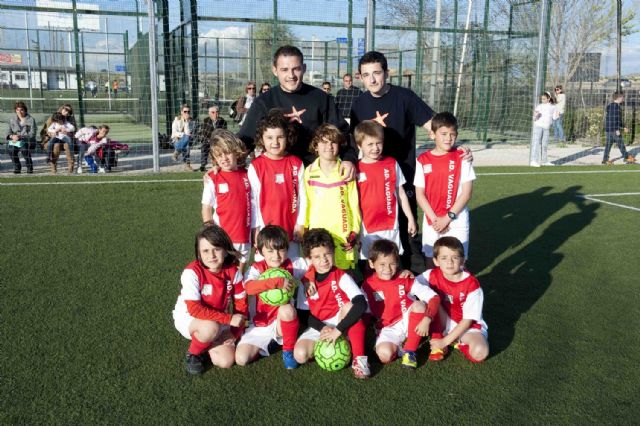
x=313 y=334
x=458 y=228
x=261 y=337
x=183 y=321
x=394 y=333
x=366 y=240
x=450 y=324
x=244 y=249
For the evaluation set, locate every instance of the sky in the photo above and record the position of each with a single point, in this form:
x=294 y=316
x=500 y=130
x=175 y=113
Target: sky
x=317 y=10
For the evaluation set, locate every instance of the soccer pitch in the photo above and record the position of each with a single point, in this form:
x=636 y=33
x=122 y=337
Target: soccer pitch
x=91 y=270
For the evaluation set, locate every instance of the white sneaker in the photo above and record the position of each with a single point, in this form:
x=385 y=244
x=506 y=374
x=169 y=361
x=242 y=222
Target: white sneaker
x=102 y=170
x=534 y=164
x=80 y=170
x=360 y=367
x=548 y=163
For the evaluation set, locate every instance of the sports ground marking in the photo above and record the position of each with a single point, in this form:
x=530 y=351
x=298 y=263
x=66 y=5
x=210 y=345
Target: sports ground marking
x=107 y=182
x=595 y=197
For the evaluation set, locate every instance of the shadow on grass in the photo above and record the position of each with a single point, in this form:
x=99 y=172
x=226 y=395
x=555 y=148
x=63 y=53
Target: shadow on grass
x=516 y=283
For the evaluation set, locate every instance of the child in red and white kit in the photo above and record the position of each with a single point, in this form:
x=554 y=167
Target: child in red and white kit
x=459 y=321
x=444 y=183
x=212 y=307
x=336 y=303
x=403 y=307
x=276 y=178
x=270 y=323
x=226 y=198
x=380 y=184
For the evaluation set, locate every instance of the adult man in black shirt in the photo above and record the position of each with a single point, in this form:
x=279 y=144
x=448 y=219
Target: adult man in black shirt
x=399 y=111
x=210 y=123
x=307 y=107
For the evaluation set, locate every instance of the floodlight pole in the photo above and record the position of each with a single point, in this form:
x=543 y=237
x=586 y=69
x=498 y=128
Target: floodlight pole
x=619 y=46
x=154 y=86
x=540 y=71
x=77 y=49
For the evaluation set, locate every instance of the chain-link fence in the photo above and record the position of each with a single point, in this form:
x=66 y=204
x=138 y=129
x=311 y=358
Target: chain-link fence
x=475 y=58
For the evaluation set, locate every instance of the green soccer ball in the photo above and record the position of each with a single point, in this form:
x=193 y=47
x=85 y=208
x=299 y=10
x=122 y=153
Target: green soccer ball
x=332 y=357
x=277 y=296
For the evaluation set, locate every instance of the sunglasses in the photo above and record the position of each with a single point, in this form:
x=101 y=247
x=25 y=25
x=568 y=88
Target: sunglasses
x=251 y=88
x=186 y=110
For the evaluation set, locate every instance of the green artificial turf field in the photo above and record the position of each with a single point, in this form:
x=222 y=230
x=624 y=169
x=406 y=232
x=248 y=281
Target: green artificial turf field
x=90 y=274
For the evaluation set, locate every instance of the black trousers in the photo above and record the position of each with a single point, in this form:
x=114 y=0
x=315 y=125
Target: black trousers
x=26 y=154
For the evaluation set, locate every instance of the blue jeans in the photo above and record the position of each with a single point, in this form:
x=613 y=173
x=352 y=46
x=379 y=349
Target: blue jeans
x=611 y=138
x=558 y=131
x=539 y=142
x=182 y=146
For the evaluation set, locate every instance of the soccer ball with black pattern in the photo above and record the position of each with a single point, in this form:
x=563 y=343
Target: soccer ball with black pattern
x=332 y=357
x=277 y=296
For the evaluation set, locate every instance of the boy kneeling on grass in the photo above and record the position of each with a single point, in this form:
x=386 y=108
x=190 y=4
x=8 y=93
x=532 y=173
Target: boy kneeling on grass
x=459 y=321
x=336 y=303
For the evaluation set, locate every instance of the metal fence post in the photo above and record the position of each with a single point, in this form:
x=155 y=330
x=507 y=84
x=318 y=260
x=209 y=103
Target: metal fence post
x=154 y=86
x=78 y=76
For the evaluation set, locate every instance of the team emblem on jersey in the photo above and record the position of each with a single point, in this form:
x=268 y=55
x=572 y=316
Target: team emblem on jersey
x=207 y=290
x=279 y=178
x=362 y=176
x=378 y=296
x=462 y=297
x=426 y=168
x=223 y=188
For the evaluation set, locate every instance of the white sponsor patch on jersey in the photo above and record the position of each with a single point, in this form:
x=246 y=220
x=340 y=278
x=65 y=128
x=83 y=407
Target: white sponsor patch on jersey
x=279 y=178
x=378 y=296
x=223 y=188
x=362 y=177
x=426 y=168
x=207 y=290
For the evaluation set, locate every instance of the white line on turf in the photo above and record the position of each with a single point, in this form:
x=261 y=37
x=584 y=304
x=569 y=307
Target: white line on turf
x=104 y=182
x=568 y=172
x=613 y=194
x=624 y=206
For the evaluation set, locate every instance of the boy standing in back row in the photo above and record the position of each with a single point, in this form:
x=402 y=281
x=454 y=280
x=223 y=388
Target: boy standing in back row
x=443 y=181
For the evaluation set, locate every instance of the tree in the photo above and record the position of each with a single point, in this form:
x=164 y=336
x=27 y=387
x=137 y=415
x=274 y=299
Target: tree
x=268 y=37
x=579 y=27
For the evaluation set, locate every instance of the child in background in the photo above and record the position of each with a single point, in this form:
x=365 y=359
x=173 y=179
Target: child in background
x=277 y=188
x=212 y=307
x=226 y=198
x=380 y=185
x=613 y=125
x=336 y=303
x=392 y=300
x=91 y=139
x=459 y=321
x=270 y=323
x=58 y=132
x=543 y=117
x=332 y=203
x=444 y=183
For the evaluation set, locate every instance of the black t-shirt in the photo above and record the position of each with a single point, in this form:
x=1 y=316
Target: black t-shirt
x=313 y=106
x=401 y=110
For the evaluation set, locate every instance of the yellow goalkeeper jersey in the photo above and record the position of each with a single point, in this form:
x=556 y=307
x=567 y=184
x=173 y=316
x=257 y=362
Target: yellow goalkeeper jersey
x=332 y=204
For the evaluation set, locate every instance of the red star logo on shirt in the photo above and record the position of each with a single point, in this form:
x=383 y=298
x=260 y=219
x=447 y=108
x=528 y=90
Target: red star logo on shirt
x=294 y=115
x=380 y=118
